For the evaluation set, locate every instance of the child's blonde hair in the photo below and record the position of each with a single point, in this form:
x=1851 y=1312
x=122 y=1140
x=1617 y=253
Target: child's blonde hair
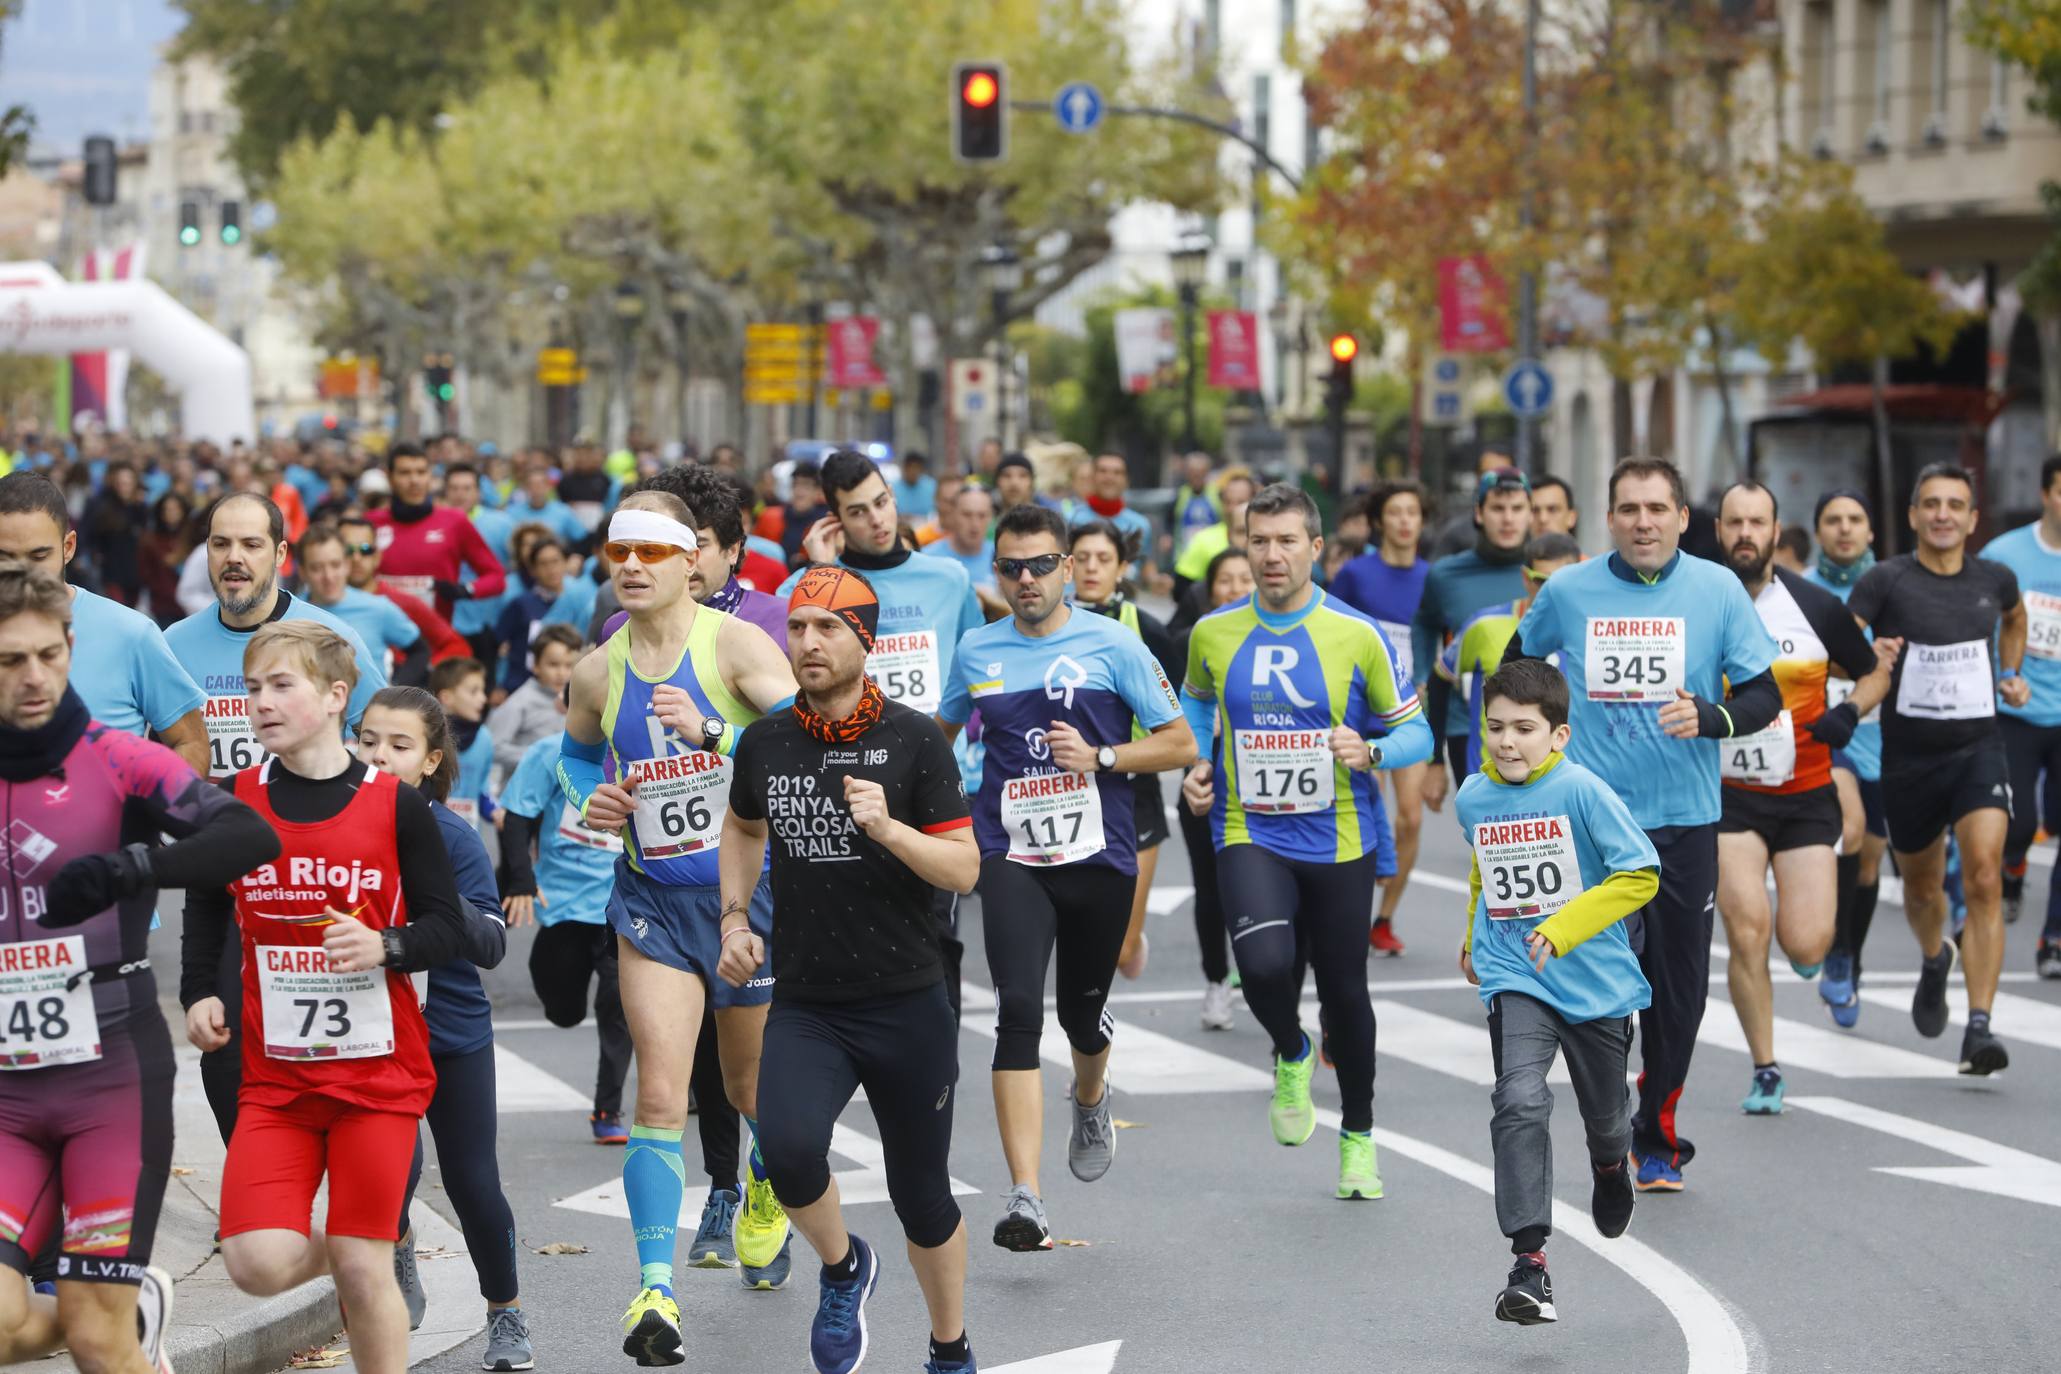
x=319 y=653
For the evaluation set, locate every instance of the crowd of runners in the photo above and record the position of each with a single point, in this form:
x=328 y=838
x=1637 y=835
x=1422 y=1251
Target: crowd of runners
x=739 y=750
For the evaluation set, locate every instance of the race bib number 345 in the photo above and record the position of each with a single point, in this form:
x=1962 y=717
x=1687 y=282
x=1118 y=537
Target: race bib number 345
x=1635 y=659
x=1528 y=867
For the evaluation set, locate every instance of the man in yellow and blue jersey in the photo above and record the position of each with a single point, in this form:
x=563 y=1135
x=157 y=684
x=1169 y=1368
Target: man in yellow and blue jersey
x=1472 y=656
x=654 y=717
x=1299 y=701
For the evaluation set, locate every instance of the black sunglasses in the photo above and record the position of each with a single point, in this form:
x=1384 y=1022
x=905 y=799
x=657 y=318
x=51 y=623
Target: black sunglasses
x=367 y=549
x=1044 y=565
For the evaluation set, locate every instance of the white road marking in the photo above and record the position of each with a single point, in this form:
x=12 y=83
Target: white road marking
x=1991 y=1168
x=1165 y=901
x=867 y=1183
x=2015 y=1018
x=1839 y=1054
x=520 y=1086
x=1084 y=1359
x=1717 y=1341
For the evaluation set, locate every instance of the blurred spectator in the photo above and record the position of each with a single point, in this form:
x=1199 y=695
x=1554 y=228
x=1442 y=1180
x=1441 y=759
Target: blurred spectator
x=114 y=523
x=162 y=551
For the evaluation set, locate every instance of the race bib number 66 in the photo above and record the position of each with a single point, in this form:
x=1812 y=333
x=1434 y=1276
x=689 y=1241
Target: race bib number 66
x=1635 y=659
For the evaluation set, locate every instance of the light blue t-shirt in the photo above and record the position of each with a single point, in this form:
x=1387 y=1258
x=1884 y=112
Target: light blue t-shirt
x=1626 y=645
x=2038 y=566
x=1523 y=837
x=1135 y=528
x=915 y=499
x=123 y=669
x=926 y=606
x=376 y=618
x=1864 y=750
x=557 y=516
x=471 y=616
x=980 y=567
x=575 y=865
x=213 y=654
x=475 y=764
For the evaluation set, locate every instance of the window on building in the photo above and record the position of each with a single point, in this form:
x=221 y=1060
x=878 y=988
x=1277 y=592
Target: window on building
x=1287 y=25
x=1942 y=38
x=1819 y=67
x=1882 y=38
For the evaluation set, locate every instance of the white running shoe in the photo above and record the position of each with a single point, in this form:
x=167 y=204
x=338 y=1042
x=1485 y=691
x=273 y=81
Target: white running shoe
x=1216 y=1006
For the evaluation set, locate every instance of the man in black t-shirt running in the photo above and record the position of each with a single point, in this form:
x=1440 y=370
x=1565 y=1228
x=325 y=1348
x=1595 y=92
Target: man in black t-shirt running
x=867 y=817
x=1942 y=755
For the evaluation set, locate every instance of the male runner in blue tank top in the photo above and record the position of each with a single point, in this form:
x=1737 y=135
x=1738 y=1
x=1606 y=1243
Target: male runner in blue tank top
x=654 y=716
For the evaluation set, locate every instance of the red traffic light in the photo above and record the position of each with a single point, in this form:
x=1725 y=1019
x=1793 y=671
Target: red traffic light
x=980 y=90
x=1344 y=347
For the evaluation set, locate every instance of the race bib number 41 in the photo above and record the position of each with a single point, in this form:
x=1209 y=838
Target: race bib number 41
x=906 y=667
x=1947 y=682
x=1285 y=772
x=312 y=1012
x=680 y=803
x=1528 y=868
x=1052 y=818
x=1636 y=660
x=2043 y=625
x=1765 y=758
x=46 y=1007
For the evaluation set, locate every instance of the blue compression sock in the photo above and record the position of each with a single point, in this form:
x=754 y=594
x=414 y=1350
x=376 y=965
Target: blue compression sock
x=654 y=1182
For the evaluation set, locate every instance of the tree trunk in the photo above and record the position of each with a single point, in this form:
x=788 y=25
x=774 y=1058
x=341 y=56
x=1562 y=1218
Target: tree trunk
x=1878 y=381
x=2048 y=325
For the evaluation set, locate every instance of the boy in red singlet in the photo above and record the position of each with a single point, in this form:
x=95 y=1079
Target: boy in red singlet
x=336 y=1066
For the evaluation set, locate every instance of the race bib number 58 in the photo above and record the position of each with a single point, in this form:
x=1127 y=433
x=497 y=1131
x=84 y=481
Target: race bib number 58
x=906 y=667
x=1635 y=659
x=1528 y=867
x=2043 y=625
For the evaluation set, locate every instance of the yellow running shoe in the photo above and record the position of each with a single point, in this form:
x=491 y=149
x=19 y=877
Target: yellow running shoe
x=1359 y=1175
x=651 y=1329
x=761 y=1225
x=1292 y=1114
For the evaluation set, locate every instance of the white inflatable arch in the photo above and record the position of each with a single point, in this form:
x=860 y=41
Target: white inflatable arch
x=41 y=312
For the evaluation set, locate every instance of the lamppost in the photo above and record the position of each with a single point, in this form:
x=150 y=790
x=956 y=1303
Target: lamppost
x=629 y=313
x=1190 y=260
x=1003 y=272
x=679 y=301
x=1277 y=320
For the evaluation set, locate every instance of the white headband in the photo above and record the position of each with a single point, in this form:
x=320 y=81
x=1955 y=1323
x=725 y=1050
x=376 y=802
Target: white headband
x=649 y=527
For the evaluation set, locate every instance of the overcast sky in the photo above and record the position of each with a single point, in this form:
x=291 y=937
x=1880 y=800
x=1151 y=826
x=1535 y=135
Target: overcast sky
x=84 y=67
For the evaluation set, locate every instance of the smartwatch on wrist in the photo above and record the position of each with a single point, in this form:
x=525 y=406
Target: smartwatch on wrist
x=1105 y=758
x=1373 y=756
x=390 y=944
x=712 y=728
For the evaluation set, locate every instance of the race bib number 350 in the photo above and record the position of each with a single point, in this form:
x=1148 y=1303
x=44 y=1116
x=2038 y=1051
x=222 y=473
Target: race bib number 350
x=46 y=1007
x=1285 y=772
x=906 y=667
x=680 y=803
x=1052 y=818
x=1528 y=867
x=1635 y=659
x=312 y=1012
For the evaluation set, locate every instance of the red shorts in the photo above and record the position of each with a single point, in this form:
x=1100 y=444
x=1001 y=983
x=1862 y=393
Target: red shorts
x=278 y=1155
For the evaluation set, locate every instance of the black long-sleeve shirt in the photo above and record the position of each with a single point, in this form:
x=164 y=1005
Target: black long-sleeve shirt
x=440 y=927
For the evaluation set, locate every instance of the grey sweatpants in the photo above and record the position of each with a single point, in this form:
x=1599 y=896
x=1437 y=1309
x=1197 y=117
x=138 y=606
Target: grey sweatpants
x=1525 y=1034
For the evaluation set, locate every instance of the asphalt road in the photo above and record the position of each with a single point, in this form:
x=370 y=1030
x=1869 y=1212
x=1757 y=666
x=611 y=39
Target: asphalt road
x=1896 y=1217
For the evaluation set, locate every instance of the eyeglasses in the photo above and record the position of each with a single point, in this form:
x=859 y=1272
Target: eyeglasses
x=646 y=553
x=1044 y=565
x=366 y=549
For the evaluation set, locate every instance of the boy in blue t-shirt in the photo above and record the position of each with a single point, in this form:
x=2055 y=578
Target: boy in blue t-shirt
x=460 y=685
x=1558 y=864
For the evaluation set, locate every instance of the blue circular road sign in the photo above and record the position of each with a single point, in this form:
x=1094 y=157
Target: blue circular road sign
x=1528 y=387
x=1077 y=107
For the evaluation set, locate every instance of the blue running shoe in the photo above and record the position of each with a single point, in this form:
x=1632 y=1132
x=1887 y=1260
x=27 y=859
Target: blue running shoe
x=773 y=1275
x=1765 y=1099
x=712 y=1247
x=837 y=1338
x=1839 y=990
x=1652 y=1174
x=971 y=1366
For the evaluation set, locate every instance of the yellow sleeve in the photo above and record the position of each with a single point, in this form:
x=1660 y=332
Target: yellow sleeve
x=1615 y=898
x=1473 y=900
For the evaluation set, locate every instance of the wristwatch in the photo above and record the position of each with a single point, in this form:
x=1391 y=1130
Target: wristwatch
x=712 y=728
x=1373 y=756
x=1105 y=758
x=390 y=942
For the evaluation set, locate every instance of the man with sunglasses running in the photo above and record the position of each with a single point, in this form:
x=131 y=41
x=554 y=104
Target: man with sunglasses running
x=654 y=717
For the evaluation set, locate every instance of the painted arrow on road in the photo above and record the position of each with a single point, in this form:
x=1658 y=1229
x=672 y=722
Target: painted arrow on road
x=1991 y=1168
x=1086 y=1359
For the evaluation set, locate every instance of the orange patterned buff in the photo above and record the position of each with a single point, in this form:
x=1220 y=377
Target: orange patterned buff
x=844 y=594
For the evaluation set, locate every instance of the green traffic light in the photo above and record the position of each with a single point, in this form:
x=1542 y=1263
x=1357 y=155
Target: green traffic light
x=231 y=234
x=189 y=235
x=446 y=392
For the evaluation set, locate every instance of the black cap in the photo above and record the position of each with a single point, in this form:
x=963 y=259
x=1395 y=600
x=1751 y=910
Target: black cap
x=1835 y=494
x=1016 y=460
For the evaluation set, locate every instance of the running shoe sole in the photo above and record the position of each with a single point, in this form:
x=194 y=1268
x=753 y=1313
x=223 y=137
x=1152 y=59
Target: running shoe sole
x=653 y=1343
x=1990 y=1058
x=1359 y=1193
x=1022 y=1235
x=1524 y=1310
x=1657 y=1185
x=156 y=1292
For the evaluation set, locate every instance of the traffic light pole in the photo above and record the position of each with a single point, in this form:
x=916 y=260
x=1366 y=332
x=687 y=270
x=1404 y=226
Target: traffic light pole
x=1528 y=282
x=1232 y=132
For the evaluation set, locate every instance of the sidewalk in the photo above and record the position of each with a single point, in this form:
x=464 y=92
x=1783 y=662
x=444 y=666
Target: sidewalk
x=218 y=1330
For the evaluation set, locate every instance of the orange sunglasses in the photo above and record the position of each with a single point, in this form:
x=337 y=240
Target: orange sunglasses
x=646 y=553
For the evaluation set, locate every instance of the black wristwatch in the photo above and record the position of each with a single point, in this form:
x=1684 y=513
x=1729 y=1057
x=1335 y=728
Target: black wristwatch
x=712 y=728
x=1105 y=758
x=390 y=942
x=1373 y=757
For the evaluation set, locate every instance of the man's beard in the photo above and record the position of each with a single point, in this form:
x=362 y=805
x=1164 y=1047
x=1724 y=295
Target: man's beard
x=244 y=605
x=1750 y=572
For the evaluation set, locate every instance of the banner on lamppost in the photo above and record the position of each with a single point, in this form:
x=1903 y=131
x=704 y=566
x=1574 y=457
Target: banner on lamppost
x=1234 y=361
x=848 y=343
x=1471 y=306
x=1144 y=346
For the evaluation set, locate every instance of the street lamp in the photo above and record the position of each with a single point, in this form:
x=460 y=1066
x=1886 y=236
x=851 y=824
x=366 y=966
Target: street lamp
x=1002 y=270
x=1190 y=260
x=679 y=301
x=629 y=312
